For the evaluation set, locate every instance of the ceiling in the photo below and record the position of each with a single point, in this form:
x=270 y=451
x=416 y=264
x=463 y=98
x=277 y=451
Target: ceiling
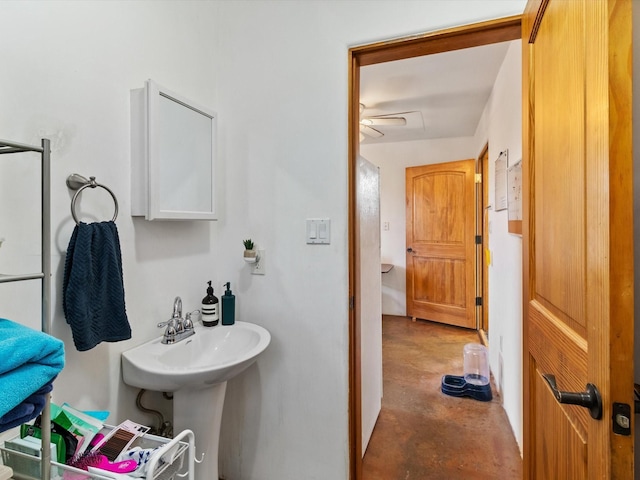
x=447 y=92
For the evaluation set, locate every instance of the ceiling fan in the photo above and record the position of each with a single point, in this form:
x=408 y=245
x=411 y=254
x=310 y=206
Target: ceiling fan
x=368 y=123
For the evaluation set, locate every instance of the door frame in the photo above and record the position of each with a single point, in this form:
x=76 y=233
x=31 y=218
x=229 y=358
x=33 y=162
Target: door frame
x=477 y=34
x=482 y=230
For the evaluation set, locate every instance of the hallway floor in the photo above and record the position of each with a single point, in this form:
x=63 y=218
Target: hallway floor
x=422 y=434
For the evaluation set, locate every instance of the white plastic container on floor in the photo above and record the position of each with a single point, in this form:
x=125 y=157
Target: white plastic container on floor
x=476 y=364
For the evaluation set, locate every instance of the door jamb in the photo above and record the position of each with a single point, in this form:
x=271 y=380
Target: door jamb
x=482 y=167
x=484 y=33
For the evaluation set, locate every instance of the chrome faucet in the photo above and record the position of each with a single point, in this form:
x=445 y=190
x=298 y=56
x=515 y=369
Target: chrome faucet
x=177 y=328
x=177 y=315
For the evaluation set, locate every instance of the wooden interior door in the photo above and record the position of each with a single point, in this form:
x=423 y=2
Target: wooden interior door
x=441 y=243
x=578 y=237
x=484 y=247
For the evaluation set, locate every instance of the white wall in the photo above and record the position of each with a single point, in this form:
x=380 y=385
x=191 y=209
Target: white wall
x=68 y=68
x=277 y=74
x=500 y=126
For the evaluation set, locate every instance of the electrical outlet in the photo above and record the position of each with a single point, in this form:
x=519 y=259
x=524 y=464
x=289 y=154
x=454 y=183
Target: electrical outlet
x=385 y=226
x=259 y=267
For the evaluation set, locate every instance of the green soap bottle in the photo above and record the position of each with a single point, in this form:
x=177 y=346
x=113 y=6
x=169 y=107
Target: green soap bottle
x=228 y=306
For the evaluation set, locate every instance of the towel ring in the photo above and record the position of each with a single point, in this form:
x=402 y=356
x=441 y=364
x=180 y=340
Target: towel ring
x=78 y=182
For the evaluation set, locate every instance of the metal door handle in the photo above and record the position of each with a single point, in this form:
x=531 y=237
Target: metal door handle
x=410 y=250
x=590 y=399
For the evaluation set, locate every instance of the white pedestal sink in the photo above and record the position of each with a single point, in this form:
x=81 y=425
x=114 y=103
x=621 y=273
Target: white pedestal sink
x=196 y=370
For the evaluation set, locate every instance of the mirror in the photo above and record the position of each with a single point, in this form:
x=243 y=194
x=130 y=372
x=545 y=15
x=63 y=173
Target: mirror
x=173 y=142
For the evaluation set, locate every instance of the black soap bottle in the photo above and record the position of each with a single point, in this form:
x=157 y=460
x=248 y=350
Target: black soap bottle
x=210 y=314
x=228 y=306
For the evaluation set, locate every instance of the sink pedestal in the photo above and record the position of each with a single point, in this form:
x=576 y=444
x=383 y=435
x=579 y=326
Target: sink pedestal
x=197 y=370
x=200 y=410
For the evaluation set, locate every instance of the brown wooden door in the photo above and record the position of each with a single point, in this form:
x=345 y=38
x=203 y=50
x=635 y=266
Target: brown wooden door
x=483 y=218
x=577 y=236
x=441 y=243
x=482 y=247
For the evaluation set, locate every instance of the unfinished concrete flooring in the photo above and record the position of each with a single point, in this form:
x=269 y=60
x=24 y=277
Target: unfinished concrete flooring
x=422 y=434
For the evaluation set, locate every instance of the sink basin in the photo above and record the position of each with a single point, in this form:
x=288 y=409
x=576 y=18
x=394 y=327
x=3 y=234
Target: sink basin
x=213 y=355
x=196 y=369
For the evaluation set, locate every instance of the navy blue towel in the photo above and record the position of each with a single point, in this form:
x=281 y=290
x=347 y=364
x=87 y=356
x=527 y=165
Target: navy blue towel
x=93 y=290
x=29 y=409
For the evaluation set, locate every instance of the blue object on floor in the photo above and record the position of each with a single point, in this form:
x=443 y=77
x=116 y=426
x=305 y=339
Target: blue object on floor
x=457 y=386
x=101 y=415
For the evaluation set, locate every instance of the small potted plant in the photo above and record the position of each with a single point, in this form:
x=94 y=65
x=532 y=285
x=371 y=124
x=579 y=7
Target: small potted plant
x=249 y=252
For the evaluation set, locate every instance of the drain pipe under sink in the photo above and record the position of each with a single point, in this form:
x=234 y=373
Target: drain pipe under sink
x=164 y=429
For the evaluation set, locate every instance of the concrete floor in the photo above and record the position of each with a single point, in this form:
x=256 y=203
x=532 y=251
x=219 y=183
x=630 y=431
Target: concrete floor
x=423 y=434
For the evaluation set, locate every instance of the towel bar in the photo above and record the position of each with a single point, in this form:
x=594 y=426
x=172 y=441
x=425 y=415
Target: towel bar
x=78 y=182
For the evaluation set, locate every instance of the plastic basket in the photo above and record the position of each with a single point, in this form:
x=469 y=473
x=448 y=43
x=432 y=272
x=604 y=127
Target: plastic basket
x=165 y=467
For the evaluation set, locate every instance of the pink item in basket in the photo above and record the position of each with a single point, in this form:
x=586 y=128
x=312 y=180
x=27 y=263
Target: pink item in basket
x=67 y=475
x=98 y=460
x=125 y=466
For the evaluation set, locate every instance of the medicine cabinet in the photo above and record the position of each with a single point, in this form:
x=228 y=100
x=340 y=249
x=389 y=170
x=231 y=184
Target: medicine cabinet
x=173 y=151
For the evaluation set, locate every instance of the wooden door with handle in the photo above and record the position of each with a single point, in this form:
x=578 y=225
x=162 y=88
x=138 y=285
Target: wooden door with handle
x=441 y=242
x=578 y=240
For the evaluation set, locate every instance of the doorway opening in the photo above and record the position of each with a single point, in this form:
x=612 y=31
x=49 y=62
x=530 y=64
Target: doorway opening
x=485 y=33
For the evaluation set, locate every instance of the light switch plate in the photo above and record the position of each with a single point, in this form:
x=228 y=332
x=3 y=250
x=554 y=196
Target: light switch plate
x=318 y=231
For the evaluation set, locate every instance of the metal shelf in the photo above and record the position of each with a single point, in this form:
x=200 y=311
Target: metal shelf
x=45 y=274
x=15 y=147
x=165 y=466
x=20 y=277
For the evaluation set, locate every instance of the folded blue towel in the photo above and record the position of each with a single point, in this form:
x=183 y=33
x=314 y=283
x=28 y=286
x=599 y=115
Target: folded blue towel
x=93 y=290
x=30 y=359
x=27 y=410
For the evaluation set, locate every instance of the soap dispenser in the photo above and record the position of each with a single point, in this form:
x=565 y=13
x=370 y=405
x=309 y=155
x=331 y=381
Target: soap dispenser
x=210 y=308
x=228 y=306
